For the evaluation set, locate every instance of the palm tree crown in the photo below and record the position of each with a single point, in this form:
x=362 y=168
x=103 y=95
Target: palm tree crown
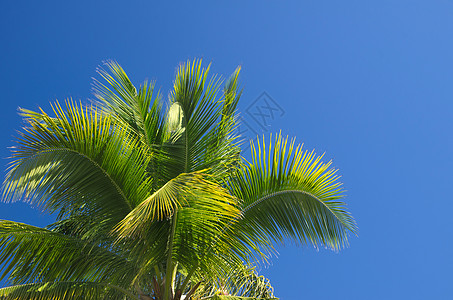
x=154 y=199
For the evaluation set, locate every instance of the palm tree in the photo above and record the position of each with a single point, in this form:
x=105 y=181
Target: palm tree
x=154 y=201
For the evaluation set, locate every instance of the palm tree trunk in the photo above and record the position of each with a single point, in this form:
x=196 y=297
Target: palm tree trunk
x=169 y=278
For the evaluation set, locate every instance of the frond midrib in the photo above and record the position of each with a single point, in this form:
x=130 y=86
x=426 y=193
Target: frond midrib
x=262 y=199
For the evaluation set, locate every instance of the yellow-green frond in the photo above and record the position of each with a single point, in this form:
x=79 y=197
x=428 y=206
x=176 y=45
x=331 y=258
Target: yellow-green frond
x=77 y=161
x=287 y=192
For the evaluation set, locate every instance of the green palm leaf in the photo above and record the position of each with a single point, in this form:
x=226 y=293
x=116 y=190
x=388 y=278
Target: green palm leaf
x=227 y=297
x=36 y=254
x=119 y=98
x=198 y=207
x=78 y=163
x=196 y=109
x=65 y=290
x=222 y=154
x=289 y=193
x=243 y=282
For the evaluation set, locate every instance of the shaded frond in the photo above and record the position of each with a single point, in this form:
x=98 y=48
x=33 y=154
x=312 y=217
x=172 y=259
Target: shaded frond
x=35 y=254
x=65 y=290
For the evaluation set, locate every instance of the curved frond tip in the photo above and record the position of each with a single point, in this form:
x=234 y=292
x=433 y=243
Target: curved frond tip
x=287 y=192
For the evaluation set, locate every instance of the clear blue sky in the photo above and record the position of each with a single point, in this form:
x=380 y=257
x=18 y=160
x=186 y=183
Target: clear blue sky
x=368 y=82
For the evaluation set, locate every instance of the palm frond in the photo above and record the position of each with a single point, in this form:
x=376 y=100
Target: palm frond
x=201 y=209
x=222 y=154
x=290 y=193
x=243 y=281
x=200 y=223
x=65 y=290
x=78 y=162
x=199 y=108
x=141 y=110
x=227 y=297
x=34 y=254
x=162 y=204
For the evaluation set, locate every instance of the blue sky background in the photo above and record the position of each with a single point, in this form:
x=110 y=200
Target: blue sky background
x=368 y=82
